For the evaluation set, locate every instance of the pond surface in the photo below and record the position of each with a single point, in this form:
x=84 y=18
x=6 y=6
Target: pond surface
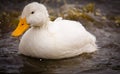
x=104 y=61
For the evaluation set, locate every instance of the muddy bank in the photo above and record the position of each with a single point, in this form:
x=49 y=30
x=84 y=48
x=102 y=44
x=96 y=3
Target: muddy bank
x=106 y=29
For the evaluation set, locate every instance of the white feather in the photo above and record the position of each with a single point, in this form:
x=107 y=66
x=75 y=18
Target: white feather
x=58 y=39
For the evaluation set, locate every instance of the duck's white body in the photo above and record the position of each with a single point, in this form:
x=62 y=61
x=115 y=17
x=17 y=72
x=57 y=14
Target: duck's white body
x=60 y=39
x=53 y=40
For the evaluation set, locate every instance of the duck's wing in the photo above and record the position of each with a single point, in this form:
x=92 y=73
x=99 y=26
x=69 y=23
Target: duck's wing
x=58 y=19
x=68 y=32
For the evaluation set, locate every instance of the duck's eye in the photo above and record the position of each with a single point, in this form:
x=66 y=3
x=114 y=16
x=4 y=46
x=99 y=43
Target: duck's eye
x=32 y=12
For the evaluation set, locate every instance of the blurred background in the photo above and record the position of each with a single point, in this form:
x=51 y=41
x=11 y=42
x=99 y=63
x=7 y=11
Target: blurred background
x=100 y=17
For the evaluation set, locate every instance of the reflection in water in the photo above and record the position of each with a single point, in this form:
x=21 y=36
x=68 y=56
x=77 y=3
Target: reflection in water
x=72 y=65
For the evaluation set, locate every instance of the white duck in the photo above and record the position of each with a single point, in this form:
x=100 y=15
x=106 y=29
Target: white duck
x=51 y=40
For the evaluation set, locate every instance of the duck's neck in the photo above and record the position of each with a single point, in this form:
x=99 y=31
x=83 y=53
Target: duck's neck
x=43 y=25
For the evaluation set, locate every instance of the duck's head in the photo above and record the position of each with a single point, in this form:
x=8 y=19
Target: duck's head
x=34 y=15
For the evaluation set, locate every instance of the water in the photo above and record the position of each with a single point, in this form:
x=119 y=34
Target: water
x=104 y=61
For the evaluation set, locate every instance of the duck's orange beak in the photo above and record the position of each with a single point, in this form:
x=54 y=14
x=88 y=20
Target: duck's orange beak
x=21 y=28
